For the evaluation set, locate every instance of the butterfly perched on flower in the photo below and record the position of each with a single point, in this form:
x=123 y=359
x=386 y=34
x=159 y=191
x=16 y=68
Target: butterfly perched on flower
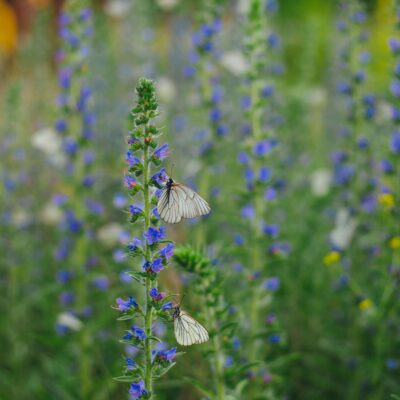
x=178 y=201
x=187 y=330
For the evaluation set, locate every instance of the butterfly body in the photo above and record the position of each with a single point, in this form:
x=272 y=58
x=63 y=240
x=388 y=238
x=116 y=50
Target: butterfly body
x=187 y=330
x=178 y=201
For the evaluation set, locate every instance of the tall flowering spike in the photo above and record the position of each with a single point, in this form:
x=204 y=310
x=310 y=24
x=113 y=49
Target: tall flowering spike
x=258 y=156
x=388 y=192
x=203 y=67
x=353 y=159
x=76 y=252
x=143 y=179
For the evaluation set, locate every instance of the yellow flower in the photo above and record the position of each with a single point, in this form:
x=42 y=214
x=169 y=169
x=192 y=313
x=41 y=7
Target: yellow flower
x=395 y=243
x=8 y=30
x=387 y=200
x=365 y=304
x=331 y=258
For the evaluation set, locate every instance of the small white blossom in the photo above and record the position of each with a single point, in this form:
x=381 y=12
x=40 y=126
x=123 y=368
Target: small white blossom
x=320 y=181
x=235 y=62
x=166 y=89
x=70 y=321
x=110 y=234
x=345 y=226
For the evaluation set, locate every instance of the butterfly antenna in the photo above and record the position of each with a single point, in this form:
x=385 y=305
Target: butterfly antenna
x=172 y=168
x=183 y=296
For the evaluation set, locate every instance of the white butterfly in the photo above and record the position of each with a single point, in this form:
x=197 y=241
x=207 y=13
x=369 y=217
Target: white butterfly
x=177 y=201
x=187 y=330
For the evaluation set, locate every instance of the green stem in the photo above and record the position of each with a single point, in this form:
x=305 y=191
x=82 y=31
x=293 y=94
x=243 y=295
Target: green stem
x=148 y=380
x=219 y=377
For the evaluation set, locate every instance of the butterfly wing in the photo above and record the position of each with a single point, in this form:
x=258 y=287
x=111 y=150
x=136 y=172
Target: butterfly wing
x=179 y=201
x=168 y=207
x=188 y=331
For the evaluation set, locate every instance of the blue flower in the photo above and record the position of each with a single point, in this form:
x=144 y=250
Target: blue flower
x=267 y=91
x=61 y=125
x=64 y=78
x=215 y=115
x=154 y=235
x=131 y=159
x=119 y=255
x=160 y=177
x=238 y=239
x=271 y=230
x=94 y=207
x=136 y=333
x=272 y=284
x=134 y=245
x=395 y=142
x=129 y=181
x=64 y=276
x=248 y=212
x=134 y=210
x=168 y=355
x=162 y=152
x=275 y=339
x=167 y=306
x=243 y=158
x=67 y=298
x=88 y=181
x=274 y=41
x=222 y=130
x=167 y=251
x=137 y=390
x=101 y=282
x=119 y=200
x=265 y=174
x=153 y=293
x=270 y=194
x=394 y=45
x=130 y=364
x=157 y=265
x=126 y=305
x=344 y=88
x=392 y=363
x=249 y=176
x=245 y=102
x=263 y=147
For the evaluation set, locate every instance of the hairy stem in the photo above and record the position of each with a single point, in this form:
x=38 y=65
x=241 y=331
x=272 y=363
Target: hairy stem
x=148 y=380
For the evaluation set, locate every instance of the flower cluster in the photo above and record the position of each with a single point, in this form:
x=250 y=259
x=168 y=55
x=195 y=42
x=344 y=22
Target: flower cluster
x=260 y=150
x=75 y=128
x=145 y=179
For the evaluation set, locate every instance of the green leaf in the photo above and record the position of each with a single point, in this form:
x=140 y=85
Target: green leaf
x=199 y=386
x=163 y=371
x=155 y=338
x=124 y=378
x=126 y=317
x=240 y=386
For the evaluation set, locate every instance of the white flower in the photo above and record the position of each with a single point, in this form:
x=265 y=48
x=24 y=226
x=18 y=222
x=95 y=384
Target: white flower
x=117 y=8
x=243 y=7
x=109 y=234
x=235 y=62
x=316 y=96
x=166 y=89
x=320 y=181
x=345 y=226
x=50 y=143
x=167 y=4
x=46 y=140
x=70 y=321
x=21 y=218
x=51 y=214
